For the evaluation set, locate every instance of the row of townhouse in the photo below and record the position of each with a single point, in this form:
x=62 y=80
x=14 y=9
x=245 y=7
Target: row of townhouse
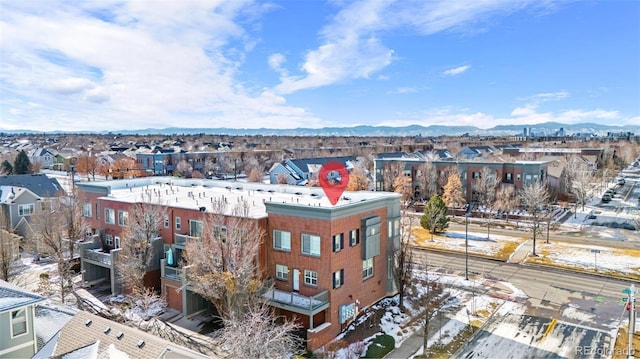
x=517 y=174
x=327 y=262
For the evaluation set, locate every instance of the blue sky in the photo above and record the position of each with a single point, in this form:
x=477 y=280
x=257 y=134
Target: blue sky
x=113 y=65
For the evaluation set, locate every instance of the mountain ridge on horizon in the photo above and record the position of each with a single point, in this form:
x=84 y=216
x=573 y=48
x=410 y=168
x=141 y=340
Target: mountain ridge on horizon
x=541 y=129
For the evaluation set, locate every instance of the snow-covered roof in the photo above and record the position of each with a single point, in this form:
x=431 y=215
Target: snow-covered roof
x=200 y=193
x=13 y=297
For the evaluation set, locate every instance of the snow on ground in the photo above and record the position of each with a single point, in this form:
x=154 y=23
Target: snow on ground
x=625 y=261
x=477 y=241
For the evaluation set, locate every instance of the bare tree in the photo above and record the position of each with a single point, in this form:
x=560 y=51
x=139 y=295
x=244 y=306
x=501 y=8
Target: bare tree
x=257 y=334
x=404 y=257
x=223 y=261
x=9 y=248
x=88 y=165
x=139 y=240
x=452 y=195
x=581 y=178
x=535 y=197
x=427 y=179
x=48 y=235
x=484 y=188
x=402 y=185
x=390 y=172
x=255 y=175
x=506 y=200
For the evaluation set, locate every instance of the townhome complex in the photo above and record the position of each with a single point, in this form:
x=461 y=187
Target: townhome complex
x=327 y=262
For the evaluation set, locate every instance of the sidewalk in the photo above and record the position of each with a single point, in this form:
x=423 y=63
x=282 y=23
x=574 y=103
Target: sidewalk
x=522 y=252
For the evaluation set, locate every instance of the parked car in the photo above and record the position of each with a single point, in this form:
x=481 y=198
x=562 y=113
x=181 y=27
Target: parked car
x=606 y=198
x=620 y=181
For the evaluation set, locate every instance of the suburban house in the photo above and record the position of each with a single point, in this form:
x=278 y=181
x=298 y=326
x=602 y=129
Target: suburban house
x=327 y=262
x=18 y=335
x=300 y=171
x=471 y=152
x=163 y=162
x=89 y=336
x=19 y=194
x=44 y=157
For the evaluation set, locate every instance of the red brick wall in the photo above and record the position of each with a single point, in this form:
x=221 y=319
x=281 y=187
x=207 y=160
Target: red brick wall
x=172 y=296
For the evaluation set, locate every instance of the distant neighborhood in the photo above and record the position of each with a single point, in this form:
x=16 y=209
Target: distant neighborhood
x=221 y=232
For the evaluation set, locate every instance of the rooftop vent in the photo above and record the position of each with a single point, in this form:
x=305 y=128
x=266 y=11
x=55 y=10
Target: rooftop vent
x=140 y=344
x=88 y=322
x=120 y=335
x=298 y=193
x=271 y=191
x=107 y=330
x=202 y=209
x=260 y=190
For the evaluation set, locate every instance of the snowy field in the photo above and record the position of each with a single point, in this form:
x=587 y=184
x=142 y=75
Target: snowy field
x=496 y=245
x=607 y=259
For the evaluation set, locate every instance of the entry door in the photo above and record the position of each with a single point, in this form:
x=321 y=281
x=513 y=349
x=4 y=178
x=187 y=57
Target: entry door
x=117 y=242
x=296 y=280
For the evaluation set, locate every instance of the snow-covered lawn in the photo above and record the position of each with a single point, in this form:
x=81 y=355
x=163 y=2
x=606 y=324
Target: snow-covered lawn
x=608 y=260
x=464 y=304
x=495 y=246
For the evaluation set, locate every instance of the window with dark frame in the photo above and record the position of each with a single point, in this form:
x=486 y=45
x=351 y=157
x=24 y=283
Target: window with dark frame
x=338 y=279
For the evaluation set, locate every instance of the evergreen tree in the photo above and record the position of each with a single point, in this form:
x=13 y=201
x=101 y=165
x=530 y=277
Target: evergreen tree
x=435 y=217
x=6 y=168
x=22 y=165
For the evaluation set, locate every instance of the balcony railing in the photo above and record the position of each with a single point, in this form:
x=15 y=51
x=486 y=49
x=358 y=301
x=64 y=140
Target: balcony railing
x=181 y=239
x=169 y=272
x=292 y=300
x=97 y=255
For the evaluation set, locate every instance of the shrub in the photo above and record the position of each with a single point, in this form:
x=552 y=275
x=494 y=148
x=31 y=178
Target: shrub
x=380 y=346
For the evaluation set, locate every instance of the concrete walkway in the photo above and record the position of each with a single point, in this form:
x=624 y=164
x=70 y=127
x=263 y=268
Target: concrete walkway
x=522 y=252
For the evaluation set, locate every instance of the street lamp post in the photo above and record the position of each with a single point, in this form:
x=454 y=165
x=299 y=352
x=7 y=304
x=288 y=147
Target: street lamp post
x=466 y=241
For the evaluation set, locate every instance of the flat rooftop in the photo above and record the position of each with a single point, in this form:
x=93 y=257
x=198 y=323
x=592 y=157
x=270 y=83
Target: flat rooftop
x=199 y=194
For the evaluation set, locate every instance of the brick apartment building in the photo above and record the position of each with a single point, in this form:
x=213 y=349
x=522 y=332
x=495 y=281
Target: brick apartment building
x=517 y=174
x=326 y=262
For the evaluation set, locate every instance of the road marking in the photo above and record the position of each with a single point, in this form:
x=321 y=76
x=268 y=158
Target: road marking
x=552 y=324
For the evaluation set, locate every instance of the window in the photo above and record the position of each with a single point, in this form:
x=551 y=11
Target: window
x=166 y=221
x=508 y=176
x=123 y=218
x=367 y=268
x=338 y=278
x=393 y=227
x=476 y=175
x=25 y=209
x=18 y=322
x=195 y=228
x=311 y=245
x=116 y=242
x=282 y=240
x=282 y=272
x=338 y=242
x=518 y=177
x=220 y=233
x=311 y=277
x=86 y=210
x=354 y=237
x=109 y=216
x=108 y=240
x=178 y=223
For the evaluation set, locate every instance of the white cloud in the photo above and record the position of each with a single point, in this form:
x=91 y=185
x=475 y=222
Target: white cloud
x=351 y=49
x=114 y=65
x=456 y=70
x=276 y=61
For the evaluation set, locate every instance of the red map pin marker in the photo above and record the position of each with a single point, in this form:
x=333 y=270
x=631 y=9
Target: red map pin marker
x=333 y=177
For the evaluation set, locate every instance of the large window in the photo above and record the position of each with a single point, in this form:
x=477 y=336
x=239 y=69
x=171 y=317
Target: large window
x=18 y=322
x=178 y=223
x=123 y=218
x=108 y=240
x=367 y=268
x=311 y=245
x=220 y=233
x=109 y=216
x=25 y=209
x=282 y=272
x=338 y=278
x=86 y=210
x=166 y=221
x=311 y=277
x=338 y=242
x=282 y=240
x=195 y=228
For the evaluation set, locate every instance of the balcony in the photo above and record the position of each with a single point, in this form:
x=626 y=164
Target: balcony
x=97 y=255
x=181 y=240
x=170 y=272
x=298 y=303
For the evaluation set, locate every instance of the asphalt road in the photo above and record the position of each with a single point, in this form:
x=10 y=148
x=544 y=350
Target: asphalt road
x=565 y=311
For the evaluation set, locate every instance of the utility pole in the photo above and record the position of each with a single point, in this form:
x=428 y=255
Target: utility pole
x=631 y=307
